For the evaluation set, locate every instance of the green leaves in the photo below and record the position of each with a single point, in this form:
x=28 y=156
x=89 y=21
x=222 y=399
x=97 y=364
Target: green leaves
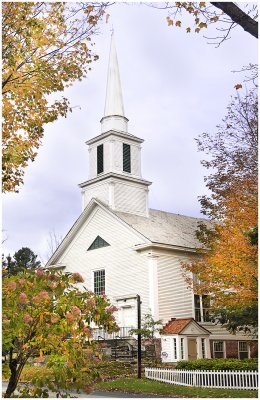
x=149 y=327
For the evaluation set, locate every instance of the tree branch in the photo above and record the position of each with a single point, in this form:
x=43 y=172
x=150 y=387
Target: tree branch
x=239 y=17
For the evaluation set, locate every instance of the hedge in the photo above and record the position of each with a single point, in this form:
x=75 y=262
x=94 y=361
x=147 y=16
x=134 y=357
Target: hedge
x=221 y=364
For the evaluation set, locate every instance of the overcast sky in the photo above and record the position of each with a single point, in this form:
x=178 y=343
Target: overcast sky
x=175 y=86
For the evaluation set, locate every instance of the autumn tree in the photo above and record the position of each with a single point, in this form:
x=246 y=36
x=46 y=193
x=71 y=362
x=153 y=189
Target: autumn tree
x=227 y=15
x=46 y=315
x=46 y=46
x=227 y=269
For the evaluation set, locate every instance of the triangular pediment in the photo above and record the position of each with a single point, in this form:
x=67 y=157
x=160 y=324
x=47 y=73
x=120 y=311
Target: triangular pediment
x=98 y=243
x=85 y=216
x=184 y=326
x=193 y=328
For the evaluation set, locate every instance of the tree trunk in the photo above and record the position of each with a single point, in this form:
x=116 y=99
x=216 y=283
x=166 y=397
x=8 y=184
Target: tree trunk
x=13 y=379
x=16 y=369
x=239 y=17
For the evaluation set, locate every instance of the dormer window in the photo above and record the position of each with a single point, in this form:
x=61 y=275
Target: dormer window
x=126 y=157
x=100 y=159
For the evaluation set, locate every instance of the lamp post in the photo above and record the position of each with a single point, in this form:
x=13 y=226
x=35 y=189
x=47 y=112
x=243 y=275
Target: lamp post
x=139 y=354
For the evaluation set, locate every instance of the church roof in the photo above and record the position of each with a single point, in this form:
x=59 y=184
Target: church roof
x=165 y=227
x=159 y=228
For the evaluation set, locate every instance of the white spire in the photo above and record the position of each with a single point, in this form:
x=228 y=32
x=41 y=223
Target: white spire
x=114 y=116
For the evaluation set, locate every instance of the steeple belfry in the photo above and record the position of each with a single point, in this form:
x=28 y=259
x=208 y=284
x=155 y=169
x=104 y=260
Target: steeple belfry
x=114 y=116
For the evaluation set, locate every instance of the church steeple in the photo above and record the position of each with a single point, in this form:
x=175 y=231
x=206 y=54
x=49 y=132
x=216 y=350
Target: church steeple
x=115 y=155
x=114 y=115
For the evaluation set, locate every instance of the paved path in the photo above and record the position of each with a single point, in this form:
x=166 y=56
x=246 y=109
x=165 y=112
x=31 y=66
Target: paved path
x=99 y=394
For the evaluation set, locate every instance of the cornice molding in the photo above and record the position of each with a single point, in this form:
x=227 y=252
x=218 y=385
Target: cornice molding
x=113 y=175
x=113 y=132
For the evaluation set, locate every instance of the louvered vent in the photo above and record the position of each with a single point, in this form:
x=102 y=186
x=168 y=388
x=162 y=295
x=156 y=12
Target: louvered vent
x=100 y=159
x=98 y=243
x=126 y=158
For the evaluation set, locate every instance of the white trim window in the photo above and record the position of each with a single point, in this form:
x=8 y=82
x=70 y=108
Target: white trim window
x=201 y=307
x=175 y=348
x=182 y=348
x=219 y=349
x=99 y=282
x=243 y=350
x=203 y=347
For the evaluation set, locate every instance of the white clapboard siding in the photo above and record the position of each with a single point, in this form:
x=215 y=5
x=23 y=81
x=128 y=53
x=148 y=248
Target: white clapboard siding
x=92 y=161
x=99 y=191
x=126 y=271
x=135 y=161
x=246 y=380
x=118 y=156
x=175 y=298
x=130 y=198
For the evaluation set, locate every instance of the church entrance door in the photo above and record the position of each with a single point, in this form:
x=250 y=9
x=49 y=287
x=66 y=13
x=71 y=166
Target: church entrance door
x=192 y=349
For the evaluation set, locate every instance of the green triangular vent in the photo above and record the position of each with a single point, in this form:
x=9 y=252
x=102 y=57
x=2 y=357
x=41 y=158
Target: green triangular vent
x=98 y=243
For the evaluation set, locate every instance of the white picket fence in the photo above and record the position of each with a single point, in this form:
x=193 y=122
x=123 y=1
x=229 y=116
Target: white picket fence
x=207 y=379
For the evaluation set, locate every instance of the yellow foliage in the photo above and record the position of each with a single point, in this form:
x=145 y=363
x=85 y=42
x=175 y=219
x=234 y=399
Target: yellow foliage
x=169 y=21
x=41 y=54
x=214 y=19
x=202 y=25
x=229 y=270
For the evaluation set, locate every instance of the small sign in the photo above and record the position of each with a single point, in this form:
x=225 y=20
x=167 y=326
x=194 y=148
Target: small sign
x=164 y=354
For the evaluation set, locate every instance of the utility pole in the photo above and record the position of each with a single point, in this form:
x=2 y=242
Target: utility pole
x=139 y=349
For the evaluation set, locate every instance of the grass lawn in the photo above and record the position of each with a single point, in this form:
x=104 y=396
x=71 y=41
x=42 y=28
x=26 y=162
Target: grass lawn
x=146 y=386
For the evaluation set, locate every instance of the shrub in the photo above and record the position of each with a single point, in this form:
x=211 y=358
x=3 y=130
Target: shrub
x=221 y=364
x=29 y=373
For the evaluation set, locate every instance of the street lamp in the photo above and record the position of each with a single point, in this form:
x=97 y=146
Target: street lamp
x=139 y=349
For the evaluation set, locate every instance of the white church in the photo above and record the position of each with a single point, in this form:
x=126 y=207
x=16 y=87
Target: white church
x=122 y=248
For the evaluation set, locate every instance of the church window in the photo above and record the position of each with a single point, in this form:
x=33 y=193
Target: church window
x=99 y=282
x=98 y=243
x=100 y=159
x=126 y=157
x=197 y=307
x=202 y=308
